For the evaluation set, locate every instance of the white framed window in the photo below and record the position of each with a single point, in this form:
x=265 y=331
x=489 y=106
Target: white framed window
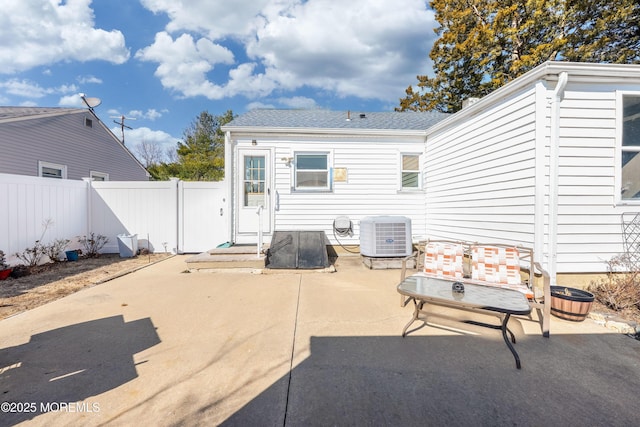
x=99 y=176
x=312 y=171
x=52 y=170
x=628 y=171
x=410 y=176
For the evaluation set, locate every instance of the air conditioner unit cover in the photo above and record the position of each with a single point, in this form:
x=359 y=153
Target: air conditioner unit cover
x=385 y=236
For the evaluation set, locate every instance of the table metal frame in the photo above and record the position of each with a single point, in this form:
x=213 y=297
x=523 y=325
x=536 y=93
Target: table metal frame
x=500 y=302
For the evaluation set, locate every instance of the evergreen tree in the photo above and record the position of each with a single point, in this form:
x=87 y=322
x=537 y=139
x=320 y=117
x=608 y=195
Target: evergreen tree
x=484 y=44
x=200 y=155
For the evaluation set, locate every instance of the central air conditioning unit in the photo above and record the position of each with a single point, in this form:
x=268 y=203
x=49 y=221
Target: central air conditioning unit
x=385 y=236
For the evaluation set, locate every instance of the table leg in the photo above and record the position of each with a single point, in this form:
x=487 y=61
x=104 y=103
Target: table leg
x=506 y=340
x=416 y=312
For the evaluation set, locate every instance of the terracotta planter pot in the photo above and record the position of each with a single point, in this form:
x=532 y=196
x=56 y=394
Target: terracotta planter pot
x=570 y=303
x=5 y=273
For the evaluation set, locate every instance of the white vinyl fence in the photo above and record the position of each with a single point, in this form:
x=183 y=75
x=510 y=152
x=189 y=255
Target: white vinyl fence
x=172 y=216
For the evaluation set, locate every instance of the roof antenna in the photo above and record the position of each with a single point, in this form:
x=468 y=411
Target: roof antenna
x=91 y=103
x=122 y=125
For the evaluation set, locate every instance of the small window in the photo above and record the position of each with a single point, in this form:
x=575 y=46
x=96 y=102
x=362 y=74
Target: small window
x=88 y=122
x=312 y=171
x=630 y=167
x=410 y=171
x=99 y=176
x=52 y=170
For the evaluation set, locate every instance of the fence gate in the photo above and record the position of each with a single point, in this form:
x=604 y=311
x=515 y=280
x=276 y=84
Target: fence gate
x=203 y=216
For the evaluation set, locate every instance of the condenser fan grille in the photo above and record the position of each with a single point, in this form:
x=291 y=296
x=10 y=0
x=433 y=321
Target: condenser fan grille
x=385 y=236
x=391 y=238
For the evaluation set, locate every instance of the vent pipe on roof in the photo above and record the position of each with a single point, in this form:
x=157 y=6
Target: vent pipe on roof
x=363 y=116
x=349 y=115
x=469 y=102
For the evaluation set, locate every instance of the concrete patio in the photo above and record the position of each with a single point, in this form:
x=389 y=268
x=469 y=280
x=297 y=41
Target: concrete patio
x=165 y=347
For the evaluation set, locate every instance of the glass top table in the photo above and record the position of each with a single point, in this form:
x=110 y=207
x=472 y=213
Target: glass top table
x=431 y=290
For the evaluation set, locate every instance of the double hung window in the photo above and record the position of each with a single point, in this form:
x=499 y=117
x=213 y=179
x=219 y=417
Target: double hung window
x=410 y=174
x=312 y=171
x=630 y=155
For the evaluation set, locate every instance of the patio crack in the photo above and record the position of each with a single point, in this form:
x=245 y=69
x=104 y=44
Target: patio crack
x=293 y=351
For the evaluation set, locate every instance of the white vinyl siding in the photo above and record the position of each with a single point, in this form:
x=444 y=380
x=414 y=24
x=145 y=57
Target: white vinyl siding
x=480 y=179
x=481 y=185
x=370 y=187
x=589 y=226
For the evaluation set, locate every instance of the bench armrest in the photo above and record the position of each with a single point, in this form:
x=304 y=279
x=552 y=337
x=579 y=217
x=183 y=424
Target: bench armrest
x=403 y=273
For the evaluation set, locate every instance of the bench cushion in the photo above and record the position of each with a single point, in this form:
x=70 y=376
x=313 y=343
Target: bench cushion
x=443 y=260
x=498 y=266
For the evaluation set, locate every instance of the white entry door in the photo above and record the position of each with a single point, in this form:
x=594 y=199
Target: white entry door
x=254 y=191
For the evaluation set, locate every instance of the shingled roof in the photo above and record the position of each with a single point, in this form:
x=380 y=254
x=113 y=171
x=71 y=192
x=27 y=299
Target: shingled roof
x=326 y=119
x=14 y=113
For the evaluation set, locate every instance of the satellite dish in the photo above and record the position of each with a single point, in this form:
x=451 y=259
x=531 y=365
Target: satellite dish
x=90 y=102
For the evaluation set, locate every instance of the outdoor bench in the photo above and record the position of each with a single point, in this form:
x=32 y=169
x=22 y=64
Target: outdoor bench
x=488 y=264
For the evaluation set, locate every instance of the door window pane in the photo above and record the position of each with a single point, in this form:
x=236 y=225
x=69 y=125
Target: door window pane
x=254 y=180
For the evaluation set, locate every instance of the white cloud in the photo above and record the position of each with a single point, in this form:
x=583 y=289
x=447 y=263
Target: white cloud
x=184 y=63
x=89 y=79
x=299 y=102
x=259 y=105
x=151 y=114
x=215 y=19
x=136 y=136
x=363 y=48
x=46 y=32
x=28 y=89
x=71 y=101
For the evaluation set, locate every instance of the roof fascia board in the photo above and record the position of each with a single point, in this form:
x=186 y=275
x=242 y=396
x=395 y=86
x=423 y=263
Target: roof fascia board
x=325 y=131
x=547 y=71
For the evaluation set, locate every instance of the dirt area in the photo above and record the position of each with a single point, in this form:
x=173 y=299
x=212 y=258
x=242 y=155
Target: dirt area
x=49 y=282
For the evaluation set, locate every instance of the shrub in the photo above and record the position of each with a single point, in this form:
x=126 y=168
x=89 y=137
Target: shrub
x=93 y=244
x=3 y=261
x=53 y=250
x=32 y=256
x=620 y=290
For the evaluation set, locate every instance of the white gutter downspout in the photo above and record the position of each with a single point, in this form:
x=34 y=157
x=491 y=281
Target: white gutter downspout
x=229 y=177
x=554 y=159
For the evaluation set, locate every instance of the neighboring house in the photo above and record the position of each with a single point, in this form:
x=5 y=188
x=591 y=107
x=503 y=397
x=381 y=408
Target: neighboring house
x=308 y=167
x=63 y=143
x=549 y=161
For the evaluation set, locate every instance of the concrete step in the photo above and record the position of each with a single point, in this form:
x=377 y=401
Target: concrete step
x=240 y=256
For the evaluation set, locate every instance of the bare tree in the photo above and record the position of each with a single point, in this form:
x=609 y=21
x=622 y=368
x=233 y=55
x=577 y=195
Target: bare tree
x=149 y=153
x=171 y=155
